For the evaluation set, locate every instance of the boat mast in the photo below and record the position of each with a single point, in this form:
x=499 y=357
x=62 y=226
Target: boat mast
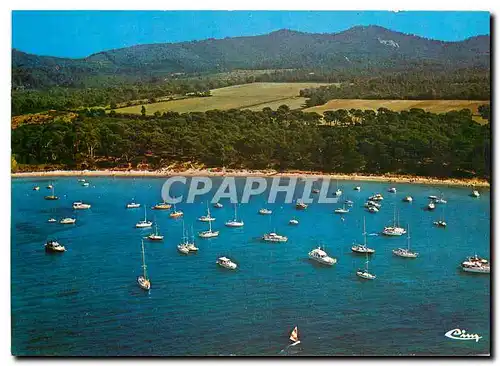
x=210 y=225
x=364 y=230
x=235 y=215
x=183 y=233
x=143 y=261
x=408 y=237
x=145 y=219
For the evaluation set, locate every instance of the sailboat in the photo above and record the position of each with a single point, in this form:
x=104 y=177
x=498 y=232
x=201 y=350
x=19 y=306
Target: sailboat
x=234 y=222
x=440 y=222
x=294 y=337
x=143 y=280
x=175 y=214
x=191 y=246
x=342 y=210
x=207 y=217
x=363 y=273
x=358 y=248
x=338 y=192
x=405 y=253
x=51 y=197
x=144 y=223
x=156 y=235
x=209 y=233
x=394 y=230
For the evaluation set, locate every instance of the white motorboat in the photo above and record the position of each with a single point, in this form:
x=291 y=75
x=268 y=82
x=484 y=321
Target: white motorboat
x=144 y=223
x=207 y=217
x=81 y=206
x=36 y=188
x=475 y=193
x=183 y=248
x=395 y=229
x=85 y=184
x=392 y=190
x=226 y=263
x=274 y=238
x=476 y=265
x=440 y=200
x=156 y=236
x=432 y=197
x=81 y=180
x=376 y=197
x=408 y=199
x=51 y=220
x=53 y=246
x=362 y=248
x=133 y=205
x=405 y=252
x=357 y=188
x=342 y=210
x=372 y=204
x=143 y=280
x=235 y=222
x=218 y=205
x=431 y=206
x=364 y=273
x=372 y=209
x=265 y=211
x=338 y=192
x=67 y=220
x=320 y=256
x=315 y=191
x=349 y=202
x=293 y=222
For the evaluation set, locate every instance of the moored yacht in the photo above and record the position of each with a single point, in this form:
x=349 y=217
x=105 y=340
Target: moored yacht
x=408 y=199
x=235 y=222
x=362 y=248
x=376 y=197
x=67 y=220
x=80 y=206
x=364 y=273
x=51 y=220
x=226 y=263
x=300 y=205
x=209 y=233
x=36 y=188
x=156 y=236
x=144 y=223
x=274 y=238
x=476 y=265
x=53 y=246
x=51 y=197
x=162 y=206
x=207 y=217
x=320 y=256
x=176 y=214
x=133 y=205
x=265 y=211
x=475 y=193
x=392 y=190
x=372 y=204
x=431 y=206
x=372 y=209
x=293 y=222
x=143 y=280
x=405 y=252
x=394 y=230
x=218 y=205
x=342 y=210
x=357 y=188
x=440 y=223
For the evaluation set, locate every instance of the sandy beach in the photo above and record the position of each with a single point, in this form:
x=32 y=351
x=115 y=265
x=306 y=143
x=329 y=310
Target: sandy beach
x=390 y=178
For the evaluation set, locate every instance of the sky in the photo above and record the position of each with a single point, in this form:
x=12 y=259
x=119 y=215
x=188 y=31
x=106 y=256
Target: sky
x=81 y=33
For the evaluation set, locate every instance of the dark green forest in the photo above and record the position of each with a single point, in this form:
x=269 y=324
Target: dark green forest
x=408 y=142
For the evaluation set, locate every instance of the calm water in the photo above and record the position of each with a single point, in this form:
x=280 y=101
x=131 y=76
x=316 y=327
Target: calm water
x=86 y=301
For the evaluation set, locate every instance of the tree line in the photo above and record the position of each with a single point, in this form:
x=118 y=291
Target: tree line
x=371 y=142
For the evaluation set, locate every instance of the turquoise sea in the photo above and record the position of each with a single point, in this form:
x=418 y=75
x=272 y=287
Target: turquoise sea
x=86 y=301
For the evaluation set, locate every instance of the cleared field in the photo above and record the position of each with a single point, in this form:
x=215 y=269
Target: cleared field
x=253 y=96
x=435 y=106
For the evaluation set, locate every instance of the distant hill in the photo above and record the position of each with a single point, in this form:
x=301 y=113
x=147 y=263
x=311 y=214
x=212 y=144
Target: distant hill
x=361 y=47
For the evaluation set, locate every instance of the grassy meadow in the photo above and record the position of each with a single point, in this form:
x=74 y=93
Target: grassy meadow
x=434 y=106
x=253 y=96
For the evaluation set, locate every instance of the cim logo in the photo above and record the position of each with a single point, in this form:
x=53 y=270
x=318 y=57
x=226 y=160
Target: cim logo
x=462 y=335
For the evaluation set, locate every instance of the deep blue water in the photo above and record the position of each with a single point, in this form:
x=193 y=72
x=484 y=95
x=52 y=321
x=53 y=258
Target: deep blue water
x=86 y=301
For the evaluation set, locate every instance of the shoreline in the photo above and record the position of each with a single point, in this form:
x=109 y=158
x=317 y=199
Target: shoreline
x=389 y=178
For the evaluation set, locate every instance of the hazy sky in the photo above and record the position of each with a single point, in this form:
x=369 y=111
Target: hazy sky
x=81 y=33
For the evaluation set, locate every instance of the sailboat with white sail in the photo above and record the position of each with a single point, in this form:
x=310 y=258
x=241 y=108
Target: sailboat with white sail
x=143 y=279
x=235 y=222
